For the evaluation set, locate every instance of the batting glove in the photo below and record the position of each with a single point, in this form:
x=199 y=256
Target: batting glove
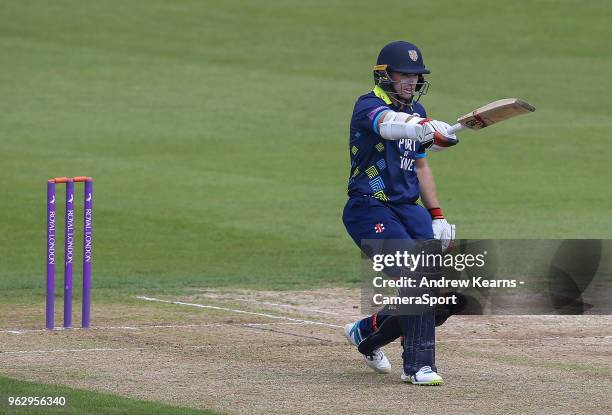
x=442 y=230
x=438 y=134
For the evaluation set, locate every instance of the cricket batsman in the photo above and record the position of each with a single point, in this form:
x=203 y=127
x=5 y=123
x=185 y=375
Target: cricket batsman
x=390 y=136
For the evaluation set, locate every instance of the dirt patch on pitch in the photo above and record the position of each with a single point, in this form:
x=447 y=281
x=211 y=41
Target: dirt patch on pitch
x=283 y=352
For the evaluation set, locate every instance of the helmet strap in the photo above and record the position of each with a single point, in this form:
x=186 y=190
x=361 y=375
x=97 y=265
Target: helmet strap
x=399 y=101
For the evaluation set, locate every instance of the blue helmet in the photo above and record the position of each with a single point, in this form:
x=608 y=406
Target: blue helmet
x=403 y=57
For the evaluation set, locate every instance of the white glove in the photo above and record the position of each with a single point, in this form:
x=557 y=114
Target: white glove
x=430 y=133
x=443 y=231
x=439 y=136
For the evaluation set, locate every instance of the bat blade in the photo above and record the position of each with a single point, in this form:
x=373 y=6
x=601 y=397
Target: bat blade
x=493 y=113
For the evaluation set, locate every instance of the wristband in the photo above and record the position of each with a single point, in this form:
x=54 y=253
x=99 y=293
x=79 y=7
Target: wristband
x=436 y=213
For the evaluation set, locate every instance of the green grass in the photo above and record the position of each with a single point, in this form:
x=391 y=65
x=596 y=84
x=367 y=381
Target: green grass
x=217 y=136
x=80 y=401
x=217 y=131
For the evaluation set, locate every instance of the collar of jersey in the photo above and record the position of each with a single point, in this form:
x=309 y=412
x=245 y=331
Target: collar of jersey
x=380 y=93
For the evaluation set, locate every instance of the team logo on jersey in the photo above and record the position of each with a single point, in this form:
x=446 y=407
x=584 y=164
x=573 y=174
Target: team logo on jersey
x=413 y=55
x=379 y=228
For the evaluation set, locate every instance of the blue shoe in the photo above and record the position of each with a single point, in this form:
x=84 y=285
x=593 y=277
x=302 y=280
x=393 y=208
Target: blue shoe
x=377 y=360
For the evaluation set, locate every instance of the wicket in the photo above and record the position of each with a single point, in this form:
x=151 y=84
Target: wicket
x=68 y=249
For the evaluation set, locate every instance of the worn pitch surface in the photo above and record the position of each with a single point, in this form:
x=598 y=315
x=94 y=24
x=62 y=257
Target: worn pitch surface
x=270 y=352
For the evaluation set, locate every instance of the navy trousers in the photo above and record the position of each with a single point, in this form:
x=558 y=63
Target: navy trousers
x=366 y=217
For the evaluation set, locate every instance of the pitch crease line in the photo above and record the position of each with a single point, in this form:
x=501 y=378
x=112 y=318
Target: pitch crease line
x=97 y=349
x=156 y=326
x=233 y=310
x=270 y=304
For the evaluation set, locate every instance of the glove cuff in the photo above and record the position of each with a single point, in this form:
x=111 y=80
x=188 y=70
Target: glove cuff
x=436 y=213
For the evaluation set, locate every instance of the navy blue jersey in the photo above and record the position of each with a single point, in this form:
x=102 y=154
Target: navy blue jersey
x=384 y=169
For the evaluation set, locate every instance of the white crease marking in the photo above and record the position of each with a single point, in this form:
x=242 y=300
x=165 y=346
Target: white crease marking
x=97 y=349
x=233 y=310
x=157 y=326
x=267 y=303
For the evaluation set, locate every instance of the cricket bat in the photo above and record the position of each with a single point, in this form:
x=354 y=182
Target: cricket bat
x=492 y=113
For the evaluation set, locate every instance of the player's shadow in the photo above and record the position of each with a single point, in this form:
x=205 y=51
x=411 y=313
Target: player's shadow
x=572 y=268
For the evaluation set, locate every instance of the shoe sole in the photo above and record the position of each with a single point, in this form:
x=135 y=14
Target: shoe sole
x=432 y=383
x=377 y=370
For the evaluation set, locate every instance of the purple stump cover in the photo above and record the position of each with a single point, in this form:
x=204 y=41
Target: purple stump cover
x=50 y=257
x=68 y=253
x=87 y=250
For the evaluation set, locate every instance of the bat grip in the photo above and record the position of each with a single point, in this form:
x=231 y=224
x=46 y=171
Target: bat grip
x=455 y=128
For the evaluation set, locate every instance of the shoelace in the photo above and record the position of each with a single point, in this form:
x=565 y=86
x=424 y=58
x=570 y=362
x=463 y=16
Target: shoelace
x=425 y=369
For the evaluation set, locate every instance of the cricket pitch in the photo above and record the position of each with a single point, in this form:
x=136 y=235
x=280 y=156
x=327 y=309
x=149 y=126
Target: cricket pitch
x=284 y=352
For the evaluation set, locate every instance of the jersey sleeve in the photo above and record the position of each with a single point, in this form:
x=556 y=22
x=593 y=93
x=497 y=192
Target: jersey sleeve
x=421 y=153
x=367 y=113
x=419 y=109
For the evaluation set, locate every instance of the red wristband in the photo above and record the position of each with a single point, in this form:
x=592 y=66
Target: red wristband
x=436 y=213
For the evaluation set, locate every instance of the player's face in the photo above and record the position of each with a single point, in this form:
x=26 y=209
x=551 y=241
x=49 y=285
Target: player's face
x=405 y=84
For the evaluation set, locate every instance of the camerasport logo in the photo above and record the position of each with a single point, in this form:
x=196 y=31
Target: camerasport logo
x=379 y=228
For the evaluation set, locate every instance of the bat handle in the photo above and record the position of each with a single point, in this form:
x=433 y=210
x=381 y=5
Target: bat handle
x=455 y=128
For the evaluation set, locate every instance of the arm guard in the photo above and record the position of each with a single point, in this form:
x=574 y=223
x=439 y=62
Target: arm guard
x=399 y=125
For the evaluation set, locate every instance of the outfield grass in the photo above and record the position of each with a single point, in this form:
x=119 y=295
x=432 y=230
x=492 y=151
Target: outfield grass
x=217 y=131
x=80 y=401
